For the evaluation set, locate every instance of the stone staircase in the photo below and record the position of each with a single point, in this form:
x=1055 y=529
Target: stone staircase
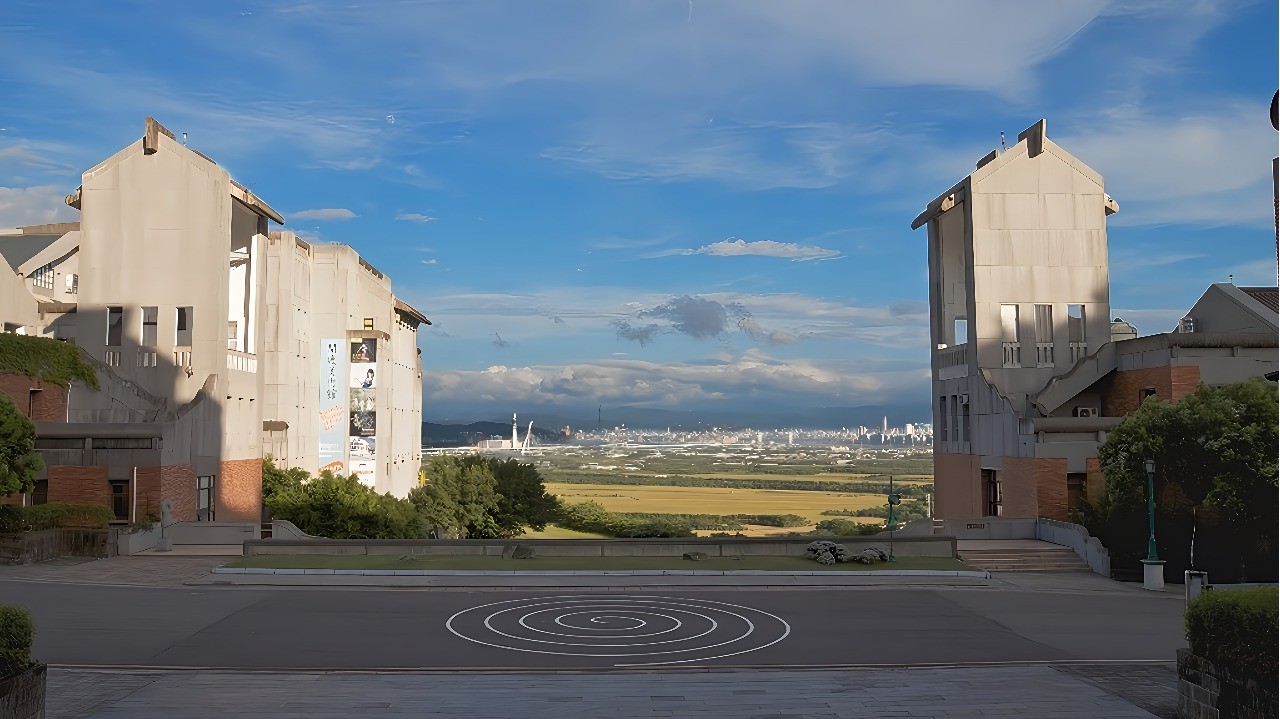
x=1046 y=558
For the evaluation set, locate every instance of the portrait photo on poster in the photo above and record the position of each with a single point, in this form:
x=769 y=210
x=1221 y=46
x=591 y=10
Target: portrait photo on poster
x=365 y=350
x=363 y=376
x=363 y=424
x=362 y=401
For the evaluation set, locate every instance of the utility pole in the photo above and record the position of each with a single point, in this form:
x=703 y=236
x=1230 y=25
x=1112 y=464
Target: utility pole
x=893 y=500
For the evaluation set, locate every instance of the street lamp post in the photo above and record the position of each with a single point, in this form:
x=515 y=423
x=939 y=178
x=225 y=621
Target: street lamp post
x=1152 y=566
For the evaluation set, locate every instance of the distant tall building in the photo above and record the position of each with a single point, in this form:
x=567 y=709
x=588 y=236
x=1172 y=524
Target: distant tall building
x=884 y=426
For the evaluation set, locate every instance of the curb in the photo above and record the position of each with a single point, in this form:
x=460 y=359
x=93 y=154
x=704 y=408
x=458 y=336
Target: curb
x=601 y=573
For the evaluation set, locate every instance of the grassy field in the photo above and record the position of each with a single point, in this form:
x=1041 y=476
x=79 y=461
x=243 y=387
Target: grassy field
x=554 y=532
x=781 y=564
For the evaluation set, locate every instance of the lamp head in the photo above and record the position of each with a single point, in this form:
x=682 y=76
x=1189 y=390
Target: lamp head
x=1151 y=466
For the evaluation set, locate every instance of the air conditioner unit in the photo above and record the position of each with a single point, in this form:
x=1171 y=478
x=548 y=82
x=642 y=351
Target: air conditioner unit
x=1086 y=412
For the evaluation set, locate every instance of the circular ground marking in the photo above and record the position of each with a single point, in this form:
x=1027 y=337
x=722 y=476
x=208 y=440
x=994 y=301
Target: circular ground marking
x=634 y=630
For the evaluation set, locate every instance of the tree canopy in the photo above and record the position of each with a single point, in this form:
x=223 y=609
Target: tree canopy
x=337 y=506
x=19 y=460
x=1214 y=452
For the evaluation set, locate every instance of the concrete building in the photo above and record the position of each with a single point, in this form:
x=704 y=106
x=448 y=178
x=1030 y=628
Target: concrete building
x=1029 y=370
x=201 y=326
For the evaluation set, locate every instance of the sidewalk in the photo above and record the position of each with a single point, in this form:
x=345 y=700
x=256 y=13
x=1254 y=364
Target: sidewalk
x=1047 y=692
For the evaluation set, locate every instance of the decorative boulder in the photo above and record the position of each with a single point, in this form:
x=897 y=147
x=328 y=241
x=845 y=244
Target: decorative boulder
x=696 y=556
x=522 y=552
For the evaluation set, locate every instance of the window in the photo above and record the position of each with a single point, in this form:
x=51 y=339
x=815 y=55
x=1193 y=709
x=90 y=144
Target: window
x=121 y=442
x=40 y=495
x=120 y=500
x=43 y=277
x=942 y=419
x=1009 y=332
x=961 y=331
x=368 y=323
x=964 y=418
x=73 y=283
x=204 y=499
x=991 y=487
x=1146 y=392
x=115 y=324
x=1075 y=333
x=182 y=335
x=1044 y=335
x=150 y=317
x=233 y=334
x=1076 y=489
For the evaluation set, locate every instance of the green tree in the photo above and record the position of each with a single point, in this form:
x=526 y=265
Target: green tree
x=275 y=479
x=342 y=507
x=19 y=460
x=458 y=497
x=1215 y=452
x=522 y=500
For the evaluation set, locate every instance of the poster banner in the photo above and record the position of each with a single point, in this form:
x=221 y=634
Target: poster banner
x=362 y=410
x=333 y=445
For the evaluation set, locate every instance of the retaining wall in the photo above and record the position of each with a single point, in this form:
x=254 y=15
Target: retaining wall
x=32 y=547
x=22 y=696
x=713 y=546
x=1079 y=539
x=1207 y=690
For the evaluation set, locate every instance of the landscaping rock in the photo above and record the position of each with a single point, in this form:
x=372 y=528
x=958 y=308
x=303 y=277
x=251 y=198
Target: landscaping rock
x=696 y=556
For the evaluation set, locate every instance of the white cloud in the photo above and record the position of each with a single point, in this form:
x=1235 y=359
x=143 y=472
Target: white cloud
x=734 y=247
x=336 y=214
x=431 y=261
x=415 y=217
x=22 y=206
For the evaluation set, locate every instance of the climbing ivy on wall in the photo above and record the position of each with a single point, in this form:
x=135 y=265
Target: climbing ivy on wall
x=49 y=359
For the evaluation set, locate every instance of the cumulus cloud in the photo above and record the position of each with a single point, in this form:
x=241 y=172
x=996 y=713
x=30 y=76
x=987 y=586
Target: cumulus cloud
x=336 y=214
x=695 y=316
x=22 y=206
x=415 y=217
x=734 y=247
x=751 y=377
x=643 y=334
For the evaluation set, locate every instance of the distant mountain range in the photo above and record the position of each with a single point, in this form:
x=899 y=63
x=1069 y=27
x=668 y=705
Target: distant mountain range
x=549 y=422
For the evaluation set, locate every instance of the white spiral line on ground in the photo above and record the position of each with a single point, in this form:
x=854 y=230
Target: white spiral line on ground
x=619 y=608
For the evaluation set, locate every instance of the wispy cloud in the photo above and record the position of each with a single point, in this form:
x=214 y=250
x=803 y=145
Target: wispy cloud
x=415 y=217
x=734 y=247
x=21 y=206
x=335 y=214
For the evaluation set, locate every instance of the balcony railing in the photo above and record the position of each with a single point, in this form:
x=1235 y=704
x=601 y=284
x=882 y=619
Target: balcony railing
x=1044 y=354
x=1012 y=354
x=953 y=356
x=242 y=361
x=1079 y=350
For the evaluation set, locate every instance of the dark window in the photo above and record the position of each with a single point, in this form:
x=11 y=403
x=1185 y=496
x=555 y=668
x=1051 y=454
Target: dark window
x=204 y=499
x=120 y=500
x=40 y=495
x=122 y=443
x=182 y=336
x=59 y=443
x=942 y=419
x=150 y=317
x=1076 y=489
x=991 y=487
x=1145 y=393
x=115 y=322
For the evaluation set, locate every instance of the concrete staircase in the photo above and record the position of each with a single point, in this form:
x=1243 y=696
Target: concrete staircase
x=1043 y=558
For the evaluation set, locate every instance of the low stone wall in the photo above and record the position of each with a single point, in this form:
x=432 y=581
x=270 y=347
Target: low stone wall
x=1210 y=691
x=32 y=547
x=988 y=528
x=713 y=546
x=212 y=532
x=1079 y=539
x=22 y=696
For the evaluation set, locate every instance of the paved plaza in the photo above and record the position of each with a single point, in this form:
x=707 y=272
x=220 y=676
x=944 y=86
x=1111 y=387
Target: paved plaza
x=1017 y=645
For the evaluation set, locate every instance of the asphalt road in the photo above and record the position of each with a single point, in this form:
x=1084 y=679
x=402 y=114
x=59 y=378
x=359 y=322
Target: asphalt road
x=83 y=625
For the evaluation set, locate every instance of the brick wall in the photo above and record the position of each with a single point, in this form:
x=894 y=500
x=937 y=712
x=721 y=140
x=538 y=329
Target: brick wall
x=1034 y=487
x=957 y=489
x=1170 y=383
x=1095 y=485
x=148 y=500
x=83 y=485
x=178 y=485
x=238 y=491
x=49 y=404
x=1051 y=487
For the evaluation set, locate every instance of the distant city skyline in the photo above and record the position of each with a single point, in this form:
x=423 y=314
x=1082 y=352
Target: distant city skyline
x=667 y=205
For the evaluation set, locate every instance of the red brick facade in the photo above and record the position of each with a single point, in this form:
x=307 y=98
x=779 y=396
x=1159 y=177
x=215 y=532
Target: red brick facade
x=1095 y=484
x=178 y=485
x=239 y=491
x=80 y=485
x=1170 y=383
x=147 y=501
x=41 y=401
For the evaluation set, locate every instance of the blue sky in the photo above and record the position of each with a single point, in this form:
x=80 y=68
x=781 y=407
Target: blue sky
x=674 y=204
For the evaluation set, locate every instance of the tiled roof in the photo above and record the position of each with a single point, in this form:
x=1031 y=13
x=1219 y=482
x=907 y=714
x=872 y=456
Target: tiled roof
x=1268 y=296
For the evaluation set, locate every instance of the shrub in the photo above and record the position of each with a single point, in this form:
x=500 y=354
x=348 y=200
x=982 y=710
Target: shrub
x=825 y=552
x=16 y=635
x=845 y=528
x=14 y=520
x=1236 y=628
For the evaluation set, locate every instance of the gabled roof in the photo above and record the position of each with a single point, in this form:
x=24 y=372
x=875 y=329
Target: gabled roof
x=1268 y=297
x=18 y=249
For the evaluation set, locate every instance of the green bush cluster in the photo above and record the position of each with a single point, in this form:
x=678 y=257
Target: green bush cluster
x=1236 y=628
x=803 y=485
x=905 y=512
x=591 y=517
x=17 y=633
x=845 y=528
x=56 y=515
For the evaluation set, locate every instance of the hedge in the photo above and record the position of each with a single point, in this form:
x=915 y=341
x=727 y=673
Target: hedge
x=16 y=635
x=1236 y=628
x=49 y=359
x=14 y=520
